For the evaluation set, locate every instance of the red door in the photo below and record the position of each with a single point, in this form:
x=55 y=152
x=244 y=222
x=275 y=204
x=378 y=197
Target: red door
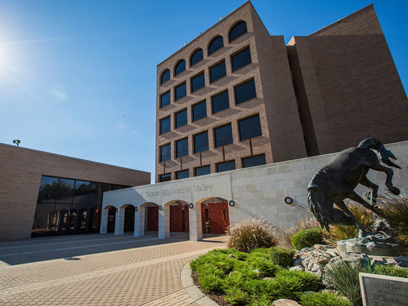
x=218 y=217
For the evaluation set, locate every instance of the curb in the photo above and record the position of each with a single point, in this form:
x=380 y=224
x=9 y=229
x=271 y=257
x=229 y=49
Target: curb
x=192 y=290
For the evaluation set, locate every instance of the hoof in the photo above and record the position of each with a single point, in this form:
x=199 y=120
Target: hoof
x=395 y=190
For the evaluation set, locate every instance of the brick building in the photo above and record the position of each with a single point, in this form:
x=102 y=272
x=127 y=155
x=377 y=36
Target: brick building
x=236 y=96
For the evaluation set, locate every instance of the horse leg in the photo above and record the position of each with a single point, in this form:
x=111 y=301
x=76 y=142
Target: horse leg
x=388 y=182
x=365 y=182
x=340 y=204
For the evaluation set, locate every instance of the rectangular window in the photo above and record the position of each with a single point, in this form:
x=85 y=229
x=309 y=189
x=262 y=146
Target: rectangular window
x=181 y=118
x=249 y=128
x=182 y=174
x=199 y=111
x=226 y=166
x=180 y=91
x=254 y=161
x=201 y=142
x=220 y=102
x=165 y=99
x=223 y=136
x=197 y=82
x=245 y=92
x=165 y=177
x=165 y=153
x=182 y=147
x=165 y=125
x=217 y=72
x=202 y=171
x=241 y=59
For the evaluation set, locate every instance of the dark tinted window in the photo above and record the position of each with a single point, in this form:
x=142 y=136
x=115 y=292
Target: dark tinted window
x=165 y=76
x=65 y=192
x=181 y=66
x=201 y=142
x=182 y=174
x=239 y=29
x=165 y=99
x=217 y=72
x=241 y=59
x=199 y=111
x=202 y=170
x=197 y=56
x=164 y=125
x=216 y=44
x=48 y=189
x=220 y=102
x=254 y=161
x=245 y=92
x=180 y=91
x=197 y=82
x=165 y=177
x=81 y=192
x=250 y=128
x=226 y=166
x=182 y=147
x=181 y=118
x=223 y=136
x=165 y=153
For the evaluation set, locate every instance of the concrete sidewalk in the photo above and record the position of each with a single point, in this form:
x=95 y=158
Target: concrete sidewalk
x=98 y=270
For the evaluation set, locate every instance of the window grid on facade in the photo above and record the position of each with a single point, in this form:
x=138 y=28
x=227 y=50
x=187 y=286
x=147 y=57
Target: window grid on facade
x=226 y=166
x=238 y=30
x=181 y=66
x=217 y=72
x=165 y=125
x=182 y=174
x=241 y=59
x=180 y=92
x=201 y=142
x=197 y=82
x=180 y=118
x=196 y=57
x=223 y=135
x=249 y=128
x=165 y=153
x=215 y=45
x=202 y=170
x=165 y=177
x=165 y=76
x=245 y=91
x=165 y=99
x=199 y=110
x=182 y=147
x=254 y=161
x=220 y=102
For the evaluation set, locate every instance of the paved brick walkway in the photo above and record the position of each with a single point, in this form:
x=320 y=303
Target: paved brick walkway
x=98 y=270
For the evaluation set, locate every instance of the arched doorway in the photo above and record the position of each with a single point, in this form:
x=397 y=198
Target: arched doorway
x=82 y=217
x=72 y=221
x=214 y=215
x=111 y=219
x=129 y=224
x=93 y=220
x=179 y=218
x=63 y=220
x=148 y=220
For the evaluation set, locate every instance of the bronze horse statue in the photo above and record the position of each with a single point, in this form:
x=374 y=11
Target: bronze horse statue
x=336 y=182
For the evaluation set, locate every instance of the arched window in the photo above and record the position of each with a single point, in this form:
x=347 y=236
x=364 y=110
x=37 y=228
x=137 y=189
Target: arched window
x=165 y=76
x=239 y=29
x=196 y=57
x=215 y=45
x=180 y=67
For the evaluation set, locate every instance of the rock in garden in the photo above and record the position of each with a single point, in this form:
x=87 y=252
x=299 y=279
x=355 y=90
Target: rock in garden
x=285 y=302
x=402 y=261
x=231 y=256
x=259 y=273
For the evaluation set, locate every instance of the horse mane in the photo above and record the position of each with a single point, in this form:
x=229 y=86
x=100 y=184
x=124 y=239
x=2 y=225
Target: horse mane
x=376 y=144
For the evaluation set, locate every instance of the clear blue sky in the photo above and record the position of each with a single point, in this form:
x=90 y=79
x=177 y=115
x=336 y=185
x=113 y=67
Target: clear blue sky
x=78 y=78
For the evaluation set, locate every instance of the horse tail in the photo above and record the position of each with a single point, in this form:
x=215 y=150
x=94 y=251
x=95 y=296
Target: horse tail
x=316 y=203
x=376 y=144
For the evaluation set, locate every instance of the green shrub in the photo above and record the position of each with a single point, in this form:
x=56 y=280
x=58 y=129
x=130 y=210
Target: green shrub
x=250 y=234
x=281 y=256
x=323 y=299
x=390 y=271
x=236 y=296
x=303 y=224
x=210 y=282
x=307 y=238
x=264 y=265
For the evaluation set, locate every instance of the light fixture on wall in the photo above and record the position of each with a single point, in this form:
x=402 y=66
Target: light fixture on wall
x=160 y=207
x=231 y=203
x=136 y=209
x=191 y=205
x=288 y=200
x=116 y=209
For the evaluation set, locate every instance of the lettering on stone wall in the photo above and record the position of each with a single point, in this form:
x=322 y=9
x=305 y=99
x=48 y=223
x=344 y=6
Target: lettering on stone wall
x=178 y=191
x=380 y=290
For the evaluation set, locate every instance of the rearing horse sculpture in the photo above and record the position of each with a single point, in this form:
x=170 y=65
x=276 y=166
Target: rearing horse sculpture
x=336 y=182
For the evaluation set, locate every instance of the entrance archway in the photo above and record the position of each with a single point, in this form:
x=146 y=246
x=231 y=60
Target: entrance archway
x=72 y=221
x=129 y=225
x=111 y=219
x=147 y=219
x=214 y=215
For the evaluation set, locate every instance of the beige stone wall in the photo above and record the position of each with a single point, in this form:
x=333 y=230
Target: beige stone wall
x=20 y=176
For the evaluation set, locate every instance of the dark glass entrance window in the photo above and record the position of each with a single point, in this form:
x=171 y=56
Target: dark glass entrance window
x=65 y=191
x=217 y=72
x=245 y=92
x=254 y=161
x=182 y=147
x=165 y=76
x=223 y=136
x=165 y=177
x=182 y=174
x=202 y=170
x=181 y=66
x=215 y=45
x=241 y=59
x=197 y=82
x=180 y=91
x=196 y=57
x=201 y=142
x=181 y=118
x=226 y=166
x=250 y=128
x=165 y=153
x=165 y=125
x=48 y=189
x=165 y=99
x=199 y=110
x=238 y=30
x=220 y=102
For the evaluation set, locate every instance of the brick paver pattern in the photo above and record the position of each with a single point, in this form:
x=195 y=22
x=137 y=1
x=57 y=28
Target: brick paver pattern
x=137 y=271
